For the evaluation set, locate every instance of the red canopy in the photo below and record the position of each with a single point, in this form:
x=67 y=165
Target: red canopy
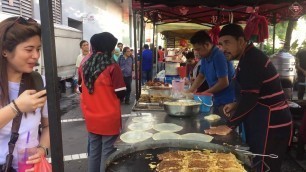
x=211 y=12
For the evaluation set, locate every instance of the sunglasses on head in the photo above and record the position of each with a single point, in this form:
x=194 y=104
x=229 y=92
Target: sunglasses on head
x=20 y=20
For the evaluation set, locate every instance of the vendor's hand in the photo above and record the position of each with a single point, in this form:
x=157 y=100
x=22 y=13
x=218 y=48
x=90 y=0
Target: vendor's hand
x=36 y=158
x=189 y=91
x=229 y=109
x=30 y=100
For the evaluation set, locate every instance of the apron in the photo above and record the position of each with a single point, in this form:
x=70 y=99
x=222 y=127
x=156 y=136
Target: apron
x=262 y=137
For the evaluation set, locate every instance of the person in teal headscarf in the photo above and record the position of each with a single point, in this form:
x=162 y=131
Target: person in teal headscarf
x=116 y=54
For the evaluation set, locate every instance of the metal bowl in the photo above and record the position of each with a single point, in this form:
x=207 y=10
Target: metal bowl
x=182 y=107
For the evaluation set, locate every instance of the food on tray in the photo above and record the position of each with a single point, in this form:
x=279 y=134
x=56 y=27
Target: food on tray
x=144 y=98
x=140 y=126
x=158 y=98
x=219 y=130
x=212 y=117
x=199 y=161
x=197 y=137
x=157 y=83
x=182 y=103
x=143 y=119
x=166 y=135
x=135 y=136
x=139 y=106
x=153 y=98
x=160 y=88
x=167 y=127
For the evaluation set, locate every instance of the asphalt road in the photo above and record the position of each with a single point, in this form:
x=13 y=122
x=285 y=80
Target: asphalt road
x=74 y=132
x=75 y=137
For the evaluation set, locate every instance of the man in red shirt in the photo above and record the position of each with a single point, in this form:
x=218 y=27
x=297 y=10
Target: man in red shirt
x=160 y=59
x=102 y=88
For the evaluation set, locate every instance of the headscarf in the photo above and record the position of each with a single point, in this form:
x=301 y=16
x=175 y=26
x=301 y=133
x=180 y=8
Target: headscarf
x=102 y=46
x=116 y=54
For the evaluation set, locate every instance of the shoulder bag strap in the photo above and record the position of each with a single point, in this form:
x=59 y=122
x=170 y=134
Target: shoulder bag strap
x=14 y=131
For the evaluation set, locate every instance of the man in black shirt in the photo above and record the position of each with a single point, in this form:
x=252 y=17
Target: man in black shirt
x=261 y=105
x=301 y=71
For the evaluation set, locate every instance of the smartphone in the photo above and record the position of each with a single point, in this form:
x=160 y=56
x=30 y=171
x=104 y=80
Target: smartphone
x=44 y=94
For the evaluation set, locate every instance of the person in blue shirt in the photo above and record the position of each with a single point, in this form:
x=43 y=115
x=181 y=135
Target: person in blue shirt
x=147 y=64
x=215 y=69
x=125 y=62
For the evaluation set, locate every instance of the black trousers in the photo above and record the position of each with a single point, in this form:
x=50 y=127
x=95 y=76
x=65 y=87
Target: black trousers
x=128 y=84
x=278 y=141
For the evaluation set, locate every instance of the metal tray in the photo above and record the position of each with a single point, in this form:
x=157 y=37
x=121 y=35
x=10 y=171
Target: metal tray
x=147 y=107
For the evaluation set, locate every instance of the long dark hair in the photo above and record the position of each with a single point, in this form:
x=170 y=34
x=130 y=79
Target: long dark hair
x=13 y=31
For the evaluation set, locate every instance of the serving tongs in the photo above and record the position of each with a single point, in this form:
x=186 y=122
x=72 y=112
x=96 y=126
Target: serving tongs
x=245 y=152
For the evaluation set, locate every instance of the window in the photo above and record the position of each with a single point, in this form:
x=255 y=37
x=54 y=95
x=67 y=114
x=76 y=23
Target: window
x=24 y=9
x=20 y=7
x=57 y=11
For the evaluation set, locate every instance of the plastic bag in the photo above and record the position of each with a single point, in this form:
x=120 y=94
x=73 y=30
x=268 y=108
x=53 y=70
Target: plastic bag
x=43 y=166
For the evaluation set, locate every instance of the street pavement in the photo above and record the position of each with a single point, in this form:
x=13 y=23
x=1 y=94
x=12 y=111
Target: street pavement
x=74 y=131
x=75 y=136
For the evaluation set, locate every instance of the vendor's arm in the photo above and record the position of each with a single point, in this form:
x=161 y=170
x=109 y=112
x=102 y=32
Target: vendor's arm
x=197 y=82
x=246 y=103
x=221 y=84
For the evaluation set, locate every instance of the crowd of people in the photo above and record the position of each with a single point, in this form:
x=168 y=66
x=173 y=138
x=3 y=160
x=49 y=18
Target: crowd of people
x=252 y=95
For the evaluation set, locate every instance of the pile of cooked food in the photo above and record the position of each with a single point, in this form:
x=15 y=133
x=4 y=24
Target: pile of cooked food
x=198 y=161
x=153 y=98
x=156 y=83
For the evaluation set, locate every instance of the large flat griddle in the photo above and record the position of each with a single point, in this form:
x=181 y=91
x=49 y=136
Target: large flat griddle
x=137 y=157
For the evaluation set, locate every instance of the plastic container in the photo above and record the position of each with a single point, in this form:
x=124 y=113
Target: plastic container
x=178 y=85
x=206 y=99
x=178 y=88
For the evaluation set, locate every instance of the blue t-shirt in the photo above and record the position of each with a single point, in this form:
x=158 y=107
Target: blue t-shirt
x=216 y=66
x=126 y=65
x=147 y=60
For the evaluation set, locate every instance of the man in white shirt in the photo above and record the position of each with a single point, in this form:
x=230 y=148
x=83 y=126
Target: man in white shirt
x=85 y=50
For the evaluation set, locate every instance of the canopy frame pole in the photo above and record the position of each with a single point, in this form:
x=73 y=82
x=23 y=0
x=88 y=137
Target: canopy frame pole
x=48 y=43
x=154 y=49
x=141 y=43
x=136 y=55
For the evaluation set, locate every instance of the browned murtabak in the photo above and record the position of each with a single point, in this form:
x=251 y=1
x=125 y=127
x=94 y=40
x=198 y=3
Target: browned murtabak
x=198 y=161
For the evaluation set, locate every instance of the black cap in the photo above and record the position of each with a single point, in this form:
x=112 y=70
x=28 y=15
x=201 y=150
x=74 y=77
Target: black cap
x=103 y=42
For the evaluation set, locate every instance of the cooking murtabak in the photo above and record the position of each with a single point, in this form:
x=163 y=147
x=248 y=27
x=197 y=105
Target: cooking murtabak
x=198 y=161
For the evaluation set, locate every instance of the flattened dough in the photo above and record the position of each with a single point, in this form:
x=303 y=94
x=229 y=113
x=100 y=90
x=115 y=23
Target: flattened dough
x=166 y=135
x=197 y=137
x=167 y=127
x=143 y=119
x=140 y=126
x=212 y=117
x=135 y=136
